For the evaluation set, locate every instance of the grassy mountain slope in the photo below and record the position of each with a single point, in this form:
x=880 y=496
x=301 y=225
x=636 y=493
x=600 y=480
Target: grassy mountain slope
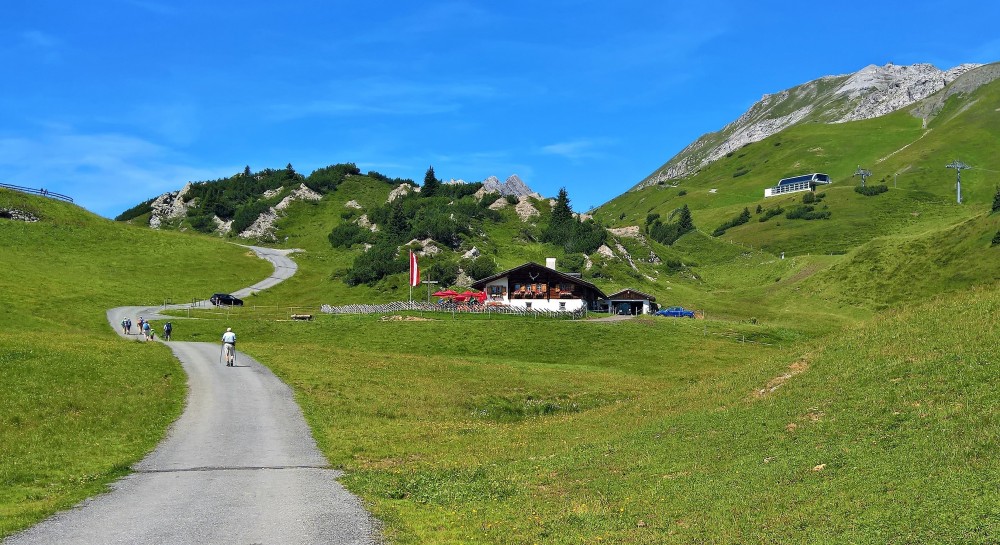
x=77 y=405
x=918 y=211
x=841 y=394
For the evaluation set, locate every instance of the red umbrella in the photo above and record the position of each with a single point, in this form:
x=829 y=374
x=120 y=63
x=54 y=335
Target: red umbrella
x=445 y=293
x=481 y=296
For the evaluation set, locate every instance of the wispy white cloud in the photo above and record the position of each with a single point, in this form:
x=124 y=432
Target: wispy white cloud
x=40 y=45
x=387 y=97
x=581 y=148
x=105 y=173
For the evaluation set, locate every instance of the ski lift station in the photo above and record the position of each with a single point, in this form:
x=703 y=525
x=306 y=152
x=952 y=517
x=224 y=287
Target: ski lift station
x=805 y=182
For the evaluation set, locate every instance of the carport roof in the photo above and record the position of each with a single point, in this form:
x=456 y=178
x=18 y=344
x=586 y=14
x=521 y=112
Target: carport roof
x=629 y=294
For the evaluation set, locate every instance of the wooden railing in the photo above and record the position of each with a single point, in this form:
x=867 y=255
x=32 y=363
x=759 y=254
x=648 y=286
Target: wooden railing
x=42 y=192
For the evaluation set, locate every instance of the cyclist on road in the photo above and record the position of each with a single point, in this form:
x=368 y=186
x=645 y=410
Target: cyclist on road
x=229 y=346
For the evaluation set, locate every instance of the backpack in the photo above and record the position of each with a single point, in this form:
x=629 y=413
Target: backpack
x=167 y=327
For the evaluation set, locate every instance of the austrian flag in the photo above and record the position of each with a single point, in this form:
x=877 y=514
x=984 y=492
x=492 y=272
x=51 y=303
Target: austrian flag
x=414 y=270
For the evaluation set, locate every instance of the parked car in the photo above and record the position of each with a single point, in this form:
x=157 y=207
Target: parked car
x=224 y=299
x=676 y=312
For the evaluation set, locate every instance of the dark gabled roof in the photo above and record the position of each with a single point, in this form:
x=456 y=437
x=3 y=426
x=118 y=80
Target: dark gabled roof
x=480 y=284
x=631 y=294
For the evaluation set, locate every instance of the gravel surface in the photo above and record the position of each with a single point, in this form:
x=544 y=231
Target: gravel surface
x=239 y=466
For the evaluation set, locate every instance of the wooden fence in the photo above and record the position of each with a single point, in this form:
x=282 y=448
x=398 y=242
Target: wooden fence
x=454 y=308
x=42 y=192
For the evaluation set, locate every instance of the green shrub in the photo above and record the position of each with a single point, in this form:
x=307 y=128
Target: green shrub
x=740 y=172
x=996 y=201
x=145 y=208
x=202 y=224
x=770 y=213
x=348 y=234
x=682 y=192
x=480 y=267
x=246 y=215
x=871 y=190
x=738 y=220
x=808 y=198
x=806 y=212
x=378 y=262
x=996 y=239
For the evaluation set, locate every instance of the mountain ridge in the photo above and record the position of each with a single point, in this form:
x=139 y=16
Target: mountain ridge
x=871 y=92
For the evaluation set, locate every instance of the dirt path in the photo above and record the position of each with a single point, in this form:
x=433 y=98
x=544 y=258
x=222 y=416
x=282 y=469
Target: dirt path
x=239 y=466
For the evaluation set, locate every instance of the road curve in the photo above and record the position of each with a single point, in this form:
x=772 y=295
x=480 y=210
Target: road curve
x=239 y=466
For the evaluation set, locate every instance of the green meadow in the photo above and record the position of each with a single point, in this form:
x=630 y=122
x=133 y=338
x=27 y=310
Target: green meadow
x=840 y=390
x=78 y=405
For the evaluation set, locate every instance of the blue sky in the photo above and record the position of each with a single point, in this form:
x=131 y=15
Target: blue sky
x=116 y=101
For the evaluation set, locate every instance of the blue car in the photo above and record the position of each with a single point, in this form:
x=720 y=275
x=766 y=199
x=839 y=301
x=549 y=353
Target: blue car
x=676 y=312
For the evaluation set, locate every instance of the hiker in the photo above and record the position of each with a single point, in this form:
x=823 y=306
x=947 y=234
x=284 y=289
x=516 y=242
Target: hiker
x=147 y=332
x=167 y=328
x=141 y=321
x=128 y=326
x=124 y=326
x=229 y=346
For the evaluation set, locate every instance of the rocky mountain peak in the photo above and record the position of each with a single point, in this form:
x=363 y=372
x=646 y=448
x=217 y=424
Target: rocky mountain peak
x=871 y=92
x=513 y=185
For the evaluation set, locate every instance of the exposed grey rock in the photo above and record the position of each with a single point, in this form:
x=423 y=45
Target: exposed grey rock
x=511 y=186
x=365 y=223
x=222 y=227
x=169 y=206
x=428 y=246
x=871 y=92
x=471 y=254
x=301 y=193
x=352 y=204
x=263 y=227
x=525 y=209
x=17 y=215
x=401 y=191
x=463 y=279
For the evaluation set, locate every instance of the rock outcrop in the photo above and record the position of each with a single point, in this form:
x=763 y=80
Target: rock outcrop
x=525 y=209
x=511 y=186
x=401 y=191
x=169 y=206
x=301 y=193
x=17 y=215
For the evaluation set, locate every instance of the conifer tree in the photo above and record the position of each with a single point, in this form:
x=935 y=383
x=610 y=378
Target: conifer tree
x=431 y=184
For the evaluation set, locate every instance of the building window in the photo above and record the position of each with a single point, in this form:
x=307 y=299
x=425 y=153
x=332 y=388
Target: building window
x=562 y=305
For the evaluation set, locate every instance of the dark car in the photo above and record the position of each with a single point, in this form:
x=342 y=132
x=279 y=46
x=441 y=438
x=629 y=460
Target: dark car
x=224 y=299
x=677 y=312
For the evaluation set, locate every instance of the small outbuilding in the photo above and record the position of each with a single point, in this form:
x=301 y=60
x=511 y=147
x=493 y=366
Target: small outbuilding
x=632 y=302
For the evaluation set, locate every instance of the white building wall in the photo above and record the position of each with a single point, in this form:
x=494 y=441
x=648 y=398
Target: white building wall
x=568 y=305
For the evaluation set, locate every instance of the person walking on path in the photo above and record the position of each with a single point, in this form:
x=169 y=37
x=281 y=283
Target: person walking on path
x=147 y=331
x=229 y=346
x=167 y=329
x=128 y=326
x=124 y=326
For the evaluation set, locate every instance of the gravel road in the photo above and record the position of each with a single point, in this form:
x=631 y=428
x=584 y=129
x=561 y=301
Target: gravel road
x=240 y=466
